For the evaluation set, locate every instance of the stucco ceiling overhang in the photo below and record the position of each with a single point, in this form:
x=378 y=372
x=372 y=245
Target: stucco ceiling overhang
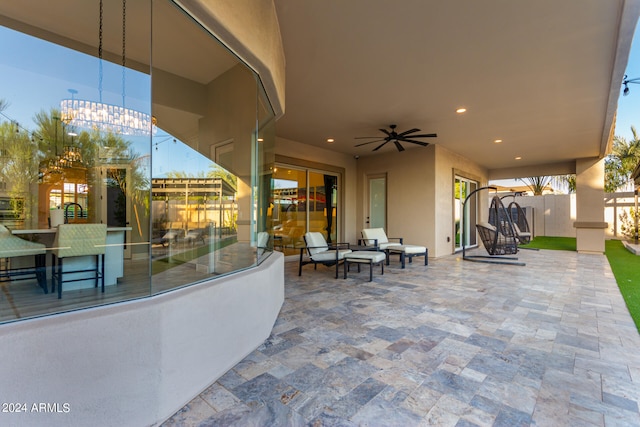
x=543 y=76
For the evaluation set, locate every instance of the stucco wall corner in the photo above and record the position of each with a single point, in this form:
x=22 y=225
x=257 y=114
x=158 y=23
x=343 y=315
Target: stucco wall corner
x=250 y=29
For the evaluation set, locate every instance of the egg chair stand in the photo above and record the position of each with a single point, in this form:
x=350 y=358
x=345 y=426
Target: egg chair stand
x=498 y=235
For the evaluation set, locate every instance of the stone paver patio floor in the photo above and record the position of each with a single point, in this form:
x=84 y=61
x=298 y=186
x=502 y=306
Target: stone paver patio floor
x=456 y=343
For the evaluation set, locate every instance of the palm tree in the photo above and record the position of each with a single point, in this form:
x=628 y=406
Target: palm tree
x=537 y=184
x=571 y=182
x=620 y=163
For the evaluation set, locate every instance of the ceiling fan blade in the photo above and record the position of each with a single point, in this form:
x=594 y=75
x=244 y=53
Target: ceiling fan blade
x=367 y=137
x=424 y=135
x=386 y=132
x=381 y=145
x=369 y=142
x=409 y=131
x=400 y=147
x=424 y=144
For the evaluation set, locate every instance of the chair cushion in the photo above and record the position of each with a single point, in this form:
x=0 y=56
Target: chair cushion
x=521 y=233
x=315 y=242
x=80 y=240
x=388 y=245
x=409 y=249
x=487 y=225
x=329 y=255
x=370 y=234
x=504 y=240
x=12 y=246
x=365 y=257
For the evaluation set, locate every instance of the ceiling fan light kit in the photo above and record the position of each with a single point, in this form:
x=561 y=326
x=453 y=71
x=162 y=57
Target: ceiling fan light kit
x=395 y=137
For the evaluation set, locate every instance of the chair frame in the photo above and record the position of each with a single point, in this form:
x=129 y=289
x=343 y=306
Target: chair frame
x=359 y=260
x=329 y=263
x=39 y=270
x=57 y=273
x=523 y=231
x=366 y=240
x=492 y=258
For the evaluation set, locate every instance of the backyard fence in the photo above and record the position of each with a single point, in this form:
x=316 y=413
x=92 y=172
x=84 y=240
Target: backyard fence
x=554 y=214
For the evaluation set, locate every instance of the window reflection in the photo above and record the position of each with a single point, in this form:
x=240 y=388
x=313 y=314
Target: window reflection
x=185 y=201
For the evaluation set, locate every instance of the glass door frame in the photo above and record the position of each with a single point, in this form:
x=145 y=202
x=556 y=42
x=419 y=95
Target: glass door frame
x=459 y=220
x=369 y=223
x=308 y=167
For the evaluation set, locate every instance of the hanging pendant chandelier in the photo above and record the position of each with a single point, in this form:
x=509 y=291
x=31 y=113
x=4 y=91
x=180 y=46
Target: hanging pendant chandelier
x=103 y=116
x=71 y=158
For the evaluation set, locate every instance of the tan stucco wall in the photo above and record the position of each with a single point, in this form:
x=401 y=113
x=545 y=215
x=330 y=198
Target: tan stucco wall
x=448 y=164
x=420 y=184
x=410 y=193
x=251 y=30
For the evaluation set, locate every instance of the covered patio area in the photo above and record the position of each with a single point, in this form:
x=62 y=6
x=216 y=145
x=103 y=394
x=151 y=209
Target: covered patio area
x=452 y=344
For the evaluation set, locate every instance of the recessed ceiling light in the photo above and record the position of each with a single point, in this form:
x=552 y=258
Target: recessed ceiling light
x=497 y=141
x=518 y=158
x=260 y=139
x=330 y=140
x=461 y=110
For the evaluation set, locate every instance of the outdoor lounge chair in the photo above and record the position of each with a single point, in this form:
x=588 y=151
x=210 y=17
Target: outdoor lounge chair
x=495 y=242
x=378 y=238
x=498 y=235
x=320 y=252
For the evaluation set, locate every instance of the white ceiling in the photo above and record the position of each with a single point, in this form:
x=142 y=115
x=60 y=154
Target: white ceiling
x=540 y=75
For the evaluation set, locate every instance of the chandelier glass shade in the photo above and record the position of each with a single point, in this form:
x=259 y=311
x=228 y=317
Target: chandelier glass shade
x=106 y=117
x=103 y=116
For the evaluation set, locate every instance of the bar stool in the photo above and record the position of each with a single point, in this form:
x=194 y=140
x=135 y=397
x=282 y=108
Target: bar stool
x=78 y=240
x=13 y=247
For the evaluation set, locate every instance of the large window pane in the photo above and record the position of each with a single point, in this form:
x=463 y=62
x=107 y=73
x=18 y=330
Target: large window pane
x=303 y=200
x=71 y=153
x=289 y=214
x=214 y=130
x=181 y=184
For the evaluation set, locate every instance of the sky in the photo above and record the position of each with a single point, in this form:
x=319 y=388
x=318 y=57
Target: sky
x=629 y=106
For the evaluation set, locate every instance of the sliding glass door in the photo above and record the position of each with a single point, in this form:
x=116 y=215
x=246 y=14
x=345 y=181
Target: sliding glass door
x=465 y=228
x=303 y=200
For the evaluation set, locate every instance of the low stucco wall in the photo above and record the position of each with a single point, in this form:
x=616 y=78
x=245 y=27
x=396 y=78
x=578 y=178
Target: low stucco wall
x=136 y=363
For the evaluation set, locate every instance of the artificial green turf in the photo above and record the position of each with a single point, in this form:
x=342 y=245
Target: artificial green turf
x=626 y=269
x=554 y=243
